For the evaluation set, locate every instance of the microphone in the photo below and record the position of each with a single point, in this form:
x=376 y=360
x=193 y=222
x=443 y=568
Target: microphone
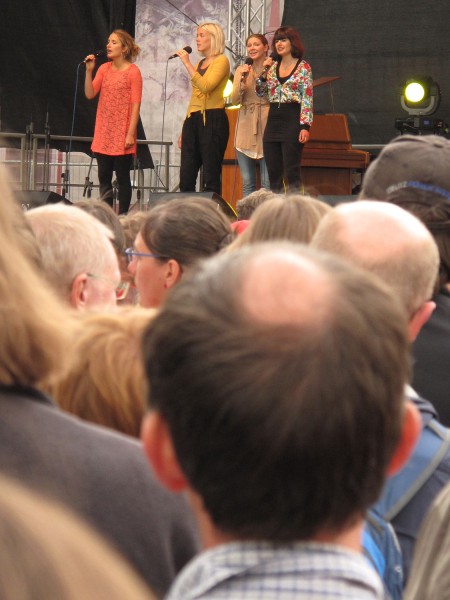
x=263 y=76
x=187 y=49
x=96 y=54
x=248 y=61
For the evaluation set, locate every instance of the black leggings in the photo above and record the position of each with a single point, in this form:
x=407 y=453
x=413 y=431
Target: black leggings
x=107 y=164
x=203 y=144
x=283 y=165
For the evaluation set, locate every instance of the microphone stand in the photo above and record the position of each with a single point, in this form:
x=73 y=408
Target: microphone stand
x=46 y=176
x=66 y=176
x=88 y=184
x=28 y=152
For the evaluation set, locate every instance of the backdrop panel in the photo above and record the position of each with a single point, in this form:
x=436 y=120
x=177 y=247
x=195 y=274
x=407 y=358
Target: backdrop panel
x=44 y=41
x=374 y=47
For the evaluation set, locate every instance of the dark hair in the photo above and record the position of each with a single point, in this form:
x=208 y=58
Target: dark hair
x=293 y=36
x=435 y=215
x=106 y=215
x=283 y=426
x=186 y=229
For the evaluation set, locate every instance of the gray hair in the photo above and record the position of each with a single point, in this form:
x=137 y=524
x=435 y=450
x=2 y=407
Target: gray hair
x=71 y=242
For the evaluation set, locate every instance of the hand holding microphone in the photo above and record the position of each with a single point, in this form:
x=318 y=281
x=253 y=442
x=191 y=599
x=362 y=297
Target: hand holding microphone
x=267 y=64
x=186 y=49
x=247 y=66
x=90 y=58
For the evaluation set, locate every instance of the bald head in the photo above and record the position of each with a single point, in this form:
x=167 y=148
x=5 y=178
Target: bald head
x=266 y=363
x=386 y=240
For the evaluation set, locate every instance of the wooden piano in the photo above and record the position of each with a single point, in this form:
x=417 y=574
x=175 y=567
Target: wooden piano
x=329 y=159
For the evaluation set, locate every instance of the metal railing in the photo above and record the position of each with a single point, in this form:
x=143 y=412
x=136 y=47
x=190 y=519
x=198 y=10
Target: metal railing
x=34 y=168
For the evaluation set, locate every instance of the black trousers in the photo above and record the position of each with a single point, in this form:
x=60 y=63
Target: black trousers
x=121 y=165
x=204 y=144
x=283 y=165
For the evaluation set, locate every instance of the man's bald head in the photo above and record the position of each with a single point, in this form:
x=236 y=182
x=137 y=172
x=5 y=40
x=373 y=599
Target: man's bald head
x=387 y=241
x=279 y=372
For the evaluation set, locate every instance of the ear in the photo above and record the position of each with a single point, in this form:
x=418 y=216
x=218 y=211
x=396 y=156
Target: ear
x=411 y=430
x=78 y=291
x=173 y=273
x=160 y=452
x=419 y=318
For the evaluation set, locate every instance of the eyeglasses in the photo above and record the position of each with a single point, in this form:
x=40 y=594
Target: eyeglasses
x=130 y=253
x=121 y=289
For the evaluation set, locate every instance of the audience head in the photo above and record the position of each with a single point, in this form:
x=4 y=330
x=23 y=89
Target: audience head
x=412 y=172
x=387 y=241
x=48 y=553
x=277 y=377
x=106 y=382
x=292 y=218
x=33 y=341
x=78 y=257
x=176 y=234
x=246 y=207
x=106 y=215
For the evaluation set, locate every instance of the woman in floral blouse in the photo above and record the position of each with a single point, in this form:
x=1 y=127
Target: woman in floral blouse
x=290 y=92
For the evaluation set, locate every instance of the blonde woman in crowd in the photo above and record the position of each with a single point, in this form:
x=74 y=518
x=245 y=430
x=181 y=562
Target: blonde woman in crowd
x=106 y=383
x=294 y=218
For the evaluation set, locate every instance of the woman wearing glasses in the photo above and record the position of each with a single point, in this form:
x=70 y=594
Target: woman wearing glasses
x=174 y=236
x=289 y=90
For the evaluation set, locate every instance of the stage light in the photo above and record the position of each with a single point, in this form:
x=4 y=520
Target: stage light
x=420 y=96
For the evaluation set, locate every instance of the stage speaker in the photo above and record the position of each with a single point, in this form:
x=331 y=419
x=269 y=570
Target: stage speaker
x=29 y=199
x=158 y=197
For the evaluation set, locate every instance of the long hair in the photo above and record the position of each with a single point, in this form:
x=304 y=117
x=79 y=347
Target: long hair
x=35 y=326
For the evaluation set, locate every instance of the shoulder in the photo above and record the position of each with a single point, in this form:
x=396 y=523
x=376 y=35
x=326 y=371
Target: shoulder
x=304 y=66
x=222 y=60
x=134 y=69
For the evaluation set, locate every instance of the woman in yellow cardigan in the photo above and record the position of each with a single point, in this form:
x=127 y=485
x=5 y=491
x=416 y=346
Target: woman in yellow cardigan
x=205 y=130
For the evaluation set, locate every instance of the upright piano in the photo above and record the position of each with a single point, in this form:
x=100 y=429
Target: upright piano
x=328 y=159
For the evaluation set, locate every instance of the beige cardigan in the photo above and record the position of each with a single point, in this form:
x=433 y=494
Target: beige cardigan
x=252 y=116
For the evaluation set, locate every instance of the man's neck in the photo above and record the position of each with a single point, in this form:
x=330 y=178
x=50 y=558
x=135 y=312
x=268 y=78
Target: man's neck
x=211 y=536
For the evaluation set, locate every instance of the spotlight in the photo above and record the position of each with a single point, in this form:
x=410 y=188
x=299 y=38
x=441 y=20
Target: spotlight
x=420 y=96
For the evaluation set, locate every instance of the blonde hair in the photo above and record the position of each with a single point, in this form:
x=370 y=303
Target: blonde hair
x=217 y=37
x=292 y=218
x=106 y=383
x=131 y=49
x=48 y=553
x=35 y=326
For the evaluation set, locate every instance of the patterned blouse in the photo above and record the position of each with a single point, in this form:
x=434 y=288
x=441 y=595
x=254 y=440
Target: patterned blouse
x=298 y=88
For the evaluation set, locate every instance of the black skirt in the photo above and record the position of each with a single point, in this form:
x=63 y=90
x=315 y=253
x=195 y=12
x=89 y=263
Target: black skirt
x=283 y=122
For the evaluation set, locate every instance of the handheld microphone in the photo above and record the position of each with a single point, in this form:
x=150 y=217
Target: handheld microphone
x=96 y=54
x=187 y=49
x=248 y=61
x=263 y=76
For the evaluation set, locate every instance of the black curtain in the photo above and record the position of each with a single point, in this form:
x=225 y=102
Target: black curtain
x=43 y=44
x=374 y=47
